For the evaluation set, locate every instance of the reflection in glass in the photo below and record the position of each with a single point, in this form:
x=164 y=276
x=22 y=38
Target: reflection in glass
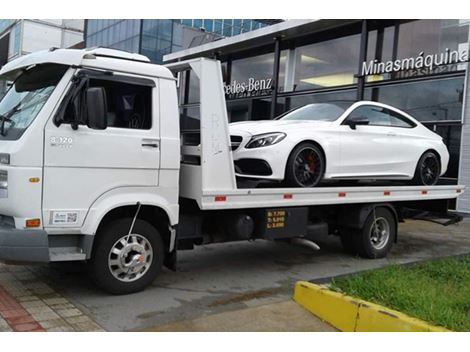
x=435 y=100
x=429 y=37
x=325 y=64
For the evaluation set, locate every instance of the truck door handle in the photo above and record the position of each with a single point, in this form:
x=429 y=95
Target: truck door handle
x=391 y=134
x=151 y=143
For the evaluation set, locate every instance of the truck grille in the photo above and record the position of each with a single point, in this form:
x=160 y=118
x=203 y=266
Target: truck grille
x=235 y=142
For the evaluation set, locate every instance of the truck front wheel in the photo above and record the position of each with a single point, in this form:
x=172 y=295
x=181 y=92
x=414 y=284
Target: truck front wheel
x=125 y=263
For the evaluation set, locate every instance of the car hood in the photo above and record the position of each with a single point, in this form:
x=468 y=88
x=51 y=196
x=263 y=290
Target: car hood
x=266 y=126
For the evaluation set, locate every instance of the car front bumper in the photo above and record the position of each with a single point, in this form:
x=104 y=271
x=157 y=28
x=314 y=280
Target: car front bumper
x=274 y=157
x=18 y=245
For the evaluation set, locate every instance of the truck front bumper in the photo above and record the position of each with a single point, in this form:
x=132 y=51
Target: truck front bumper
x=23 y=245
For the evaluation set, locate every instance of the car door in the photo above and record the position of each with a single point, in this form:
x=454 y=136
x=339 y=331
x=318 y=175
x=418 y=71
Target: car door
x=81 y=163
x=372 y=149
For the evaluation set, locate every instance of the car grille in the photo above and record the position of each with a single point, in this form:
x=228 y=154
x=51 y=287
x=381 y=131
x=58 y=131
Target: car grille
x=235 y=142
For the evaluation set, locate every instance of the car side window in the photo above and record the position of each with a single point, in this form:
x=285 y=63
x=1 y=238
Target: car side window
x=398 y=120
x=376 y=115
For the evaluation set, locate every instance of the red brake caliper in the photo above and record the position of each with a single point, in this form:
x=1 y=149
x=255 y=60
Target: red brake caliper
x=311 y=163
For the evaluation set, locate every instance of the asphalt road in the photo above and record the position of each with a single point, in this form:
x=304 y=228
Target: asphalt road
x=223 y=278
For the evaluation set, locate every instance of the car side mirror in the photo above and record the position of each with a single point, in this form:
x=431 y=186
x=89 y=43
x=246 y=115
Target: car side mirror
x=97 y=108
x=357 y=121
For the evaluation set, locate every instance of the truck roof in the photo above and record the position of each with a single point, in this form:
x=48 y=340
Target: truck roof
x=100 y=58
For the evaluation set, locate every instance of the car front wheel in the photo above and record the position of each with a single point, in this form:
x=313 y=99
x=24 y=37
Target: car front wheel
x=305 y=166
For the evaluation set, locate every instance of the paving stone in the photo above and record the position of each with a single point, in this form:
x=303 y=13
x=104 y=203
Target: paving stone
x=63 y=306
x=61 y=329
x=28 y=298
x=77 y=319
x=27 y=327
x=20 y=320
x=87 y=326
x=33 y=304
x=13 y=313
x=4 y=325
x=39 y=309
x=54 y=323
x=68 y=312
x=42 y=316
x=55 y=301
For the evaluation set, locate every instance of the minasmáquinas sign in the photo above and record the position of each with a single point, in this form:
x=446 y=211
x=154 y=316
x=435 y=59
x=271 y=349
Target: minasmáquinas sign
x=429 y=62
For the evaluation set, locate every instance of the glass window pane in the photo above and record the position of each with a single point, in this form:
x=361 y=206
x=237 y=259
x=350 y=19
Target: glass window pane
x=288 y=103
x=326 y=64
x=436 y=39
x=208 y=25
x=436 y=100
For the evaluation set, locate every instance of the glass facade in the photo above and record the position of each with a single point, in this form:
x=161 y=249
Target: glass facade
x=329 y=66
x=409 y=39
x=155 y=38
x=324 y=64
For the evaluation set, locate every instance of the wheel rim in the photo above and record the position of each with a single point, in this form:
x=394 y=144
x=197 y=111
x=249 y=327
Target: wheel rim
x=429 y=169
x=307 y=167
x=379 y=233
x=130 y=257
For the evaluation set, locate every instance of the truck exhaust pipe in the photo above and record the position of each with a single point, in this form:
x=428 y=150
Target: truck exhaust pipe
x=306 y=243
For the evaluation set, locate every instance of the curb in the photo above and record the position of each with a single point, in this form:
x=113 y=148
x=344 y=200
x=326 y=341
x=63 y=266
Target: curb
x=351 y=314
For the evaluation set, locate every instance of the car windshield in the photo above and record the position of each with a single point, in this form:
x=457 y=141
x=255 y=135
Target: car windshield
x=318 y=111
x=26 y=97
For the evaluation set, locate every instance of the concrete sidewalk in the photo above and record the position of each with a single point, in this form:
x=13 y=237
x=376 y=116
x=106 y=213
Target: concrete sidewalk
x=281 y=316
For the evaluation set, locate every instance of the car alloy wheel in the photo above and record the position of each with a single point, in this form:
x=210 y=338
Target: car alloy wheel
x=429 y=169
x=307 y=166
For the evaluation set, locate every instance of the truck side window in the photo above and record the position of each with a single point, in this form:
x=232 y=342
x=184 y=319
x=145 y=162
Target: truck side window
x=129 y=105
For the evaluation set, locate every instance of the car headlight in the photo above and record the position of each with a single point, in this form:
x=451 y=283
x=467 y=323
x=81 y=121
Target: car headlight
x=264 y=140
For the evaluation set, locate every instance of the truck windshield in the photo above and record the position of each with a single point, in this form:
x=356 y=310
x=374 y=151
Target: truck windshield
x=318 y=111
x=26 y=97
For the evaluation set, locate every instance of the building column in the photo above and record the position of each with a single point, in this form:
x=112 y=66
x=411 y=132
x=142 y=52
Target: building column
x=275 y=82
x=463 y=202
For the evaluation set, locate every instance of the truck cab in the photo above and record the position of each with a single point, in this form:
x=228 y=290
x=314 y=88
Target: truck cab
x=99 y=127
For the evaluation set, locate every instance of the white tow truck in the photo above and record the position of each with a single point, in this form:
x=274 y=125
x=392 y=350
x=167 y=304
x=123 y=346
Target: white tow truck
x=94 y=167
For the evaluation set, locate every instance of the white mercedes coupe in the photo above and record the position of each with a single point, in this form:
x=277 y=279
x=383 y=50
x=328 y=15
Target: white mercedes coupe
x=338 y=140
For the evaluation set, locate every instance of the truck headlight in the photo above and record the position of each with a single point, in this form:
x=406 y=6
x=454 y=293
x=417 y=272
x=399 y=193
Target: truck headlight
x=3 y=184
x=265 y=139
x=4 y=158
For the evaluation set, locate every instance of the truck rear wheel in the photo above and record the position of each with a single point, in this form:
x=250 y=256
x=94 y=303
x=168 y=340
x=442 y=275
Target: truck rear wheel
x=375 y=238
x=123 y=263
x=378 y=234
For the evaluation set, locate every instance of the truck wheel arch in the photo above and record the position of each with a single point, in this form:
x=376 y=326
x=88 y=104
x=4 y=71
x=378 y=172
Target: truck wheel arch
x=120 y=202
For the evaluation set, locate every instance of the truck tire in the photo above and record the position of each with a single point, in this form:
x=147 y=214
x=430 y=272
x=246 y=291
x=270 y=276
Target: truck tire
x=376 y=241
x=123 y=264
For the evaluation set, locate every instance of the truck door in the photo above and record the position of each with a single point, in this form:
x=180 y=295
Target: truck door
x=81 y=164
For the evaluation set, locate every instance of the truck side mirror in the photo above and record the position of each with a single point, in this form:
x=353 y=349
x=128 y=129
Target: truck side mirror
x=96 y=107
